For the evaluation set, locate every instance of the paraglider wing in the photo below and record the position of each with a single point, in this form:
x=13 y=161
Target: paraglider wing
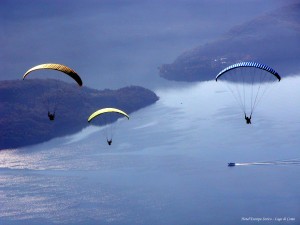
x=248 y=82
x=106 y=110
x=249 y=64
x=58 y=67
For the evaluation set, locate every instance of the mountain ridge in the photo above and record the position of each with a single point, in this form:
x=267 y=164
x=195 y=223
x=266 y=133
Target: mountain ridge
x=272 y=39
x=24 y=107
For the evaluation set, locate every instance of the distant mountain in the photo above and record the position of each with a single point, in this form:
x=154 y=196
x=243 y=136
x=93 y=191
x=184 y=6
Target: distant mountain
x=24 y=107
x=272 y=39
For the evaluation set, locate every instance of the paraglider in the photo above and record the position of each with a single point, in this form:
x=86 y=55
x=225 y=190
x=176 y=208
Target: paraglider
x=51 y=115
x=52 y=100
x=248 y=82
x=109 y=141
x=106 y=116
x=248 y=119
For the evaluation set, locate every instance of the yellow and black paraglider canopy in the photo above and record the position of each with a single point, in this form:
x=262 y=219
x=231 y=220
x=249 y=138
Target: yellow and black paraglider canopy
x=59 y=67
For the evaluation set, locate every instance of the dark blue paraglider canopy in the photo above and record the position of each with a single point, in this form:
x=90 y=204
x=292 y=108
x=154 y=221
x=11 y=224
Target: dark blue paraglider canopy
x=249 y=64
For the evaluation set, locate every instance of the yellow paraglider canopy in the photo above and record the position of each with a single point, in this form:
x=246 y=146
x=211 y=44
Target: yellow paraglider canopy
x=107 y=110
x=59 y=67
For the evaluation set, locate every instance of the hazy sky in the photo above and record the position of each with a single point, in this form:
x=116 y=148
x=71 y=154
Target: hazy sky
x=113 y=43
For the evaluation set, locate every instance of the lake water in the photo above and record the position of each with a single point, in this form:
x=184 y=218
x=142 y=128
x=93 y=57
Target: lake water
x=167 y=165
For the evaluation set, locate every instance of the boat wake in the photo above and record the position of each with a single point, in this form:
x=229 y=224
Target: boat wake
x=265 y=163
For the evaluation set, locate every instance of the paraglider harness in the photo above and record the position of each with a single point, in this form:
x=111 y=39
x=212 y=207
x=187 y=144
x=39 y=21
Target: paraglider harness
x=248 y=119
x=51 y=115
x=109 y=141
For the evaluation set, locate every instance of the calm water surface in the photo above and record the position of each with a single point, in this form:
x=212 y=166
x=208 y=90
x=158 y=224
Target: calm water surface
x=167 y=165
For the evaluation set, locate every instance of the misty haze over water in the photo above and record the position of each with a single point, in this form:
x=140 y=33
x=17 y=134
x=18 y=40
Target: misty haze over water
x=168 y=163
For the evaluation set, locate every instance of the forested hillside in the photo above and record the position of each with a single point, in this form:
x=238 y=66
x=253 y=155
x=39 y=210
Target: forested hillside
x=25 y=104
